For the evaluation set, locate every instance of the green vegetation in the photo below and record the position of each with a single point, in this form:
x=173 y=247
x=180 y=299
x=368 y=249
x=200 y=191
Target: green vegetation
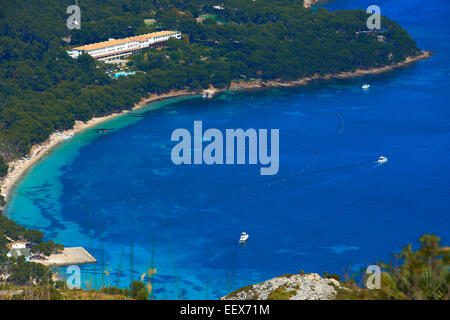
x=47 y=248
x=43 y=90
x=331 y=276
x=281 y=294
x=25 y=273
x=33 y=236
x=138 y=290
x=3 y=167
x=417 y=275
x=287 y=275
x=3 y=248
x=249 y=288
x=58 y=290
x=210 y=21
x=16 y=232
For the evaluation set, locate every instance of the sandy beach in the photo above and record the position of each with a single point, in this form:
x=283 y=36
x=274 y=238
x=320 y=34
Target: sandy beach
x=19 y=167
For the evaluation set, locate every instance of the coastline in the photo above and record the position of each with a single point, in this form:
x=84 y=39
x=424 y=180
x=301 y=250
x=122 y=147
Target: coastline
x=329 y=76
x=18 y=168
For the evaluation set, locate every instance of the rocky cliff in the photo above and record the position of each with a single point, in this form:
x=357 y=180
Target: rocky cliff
x=289 y=287
x=309 y=3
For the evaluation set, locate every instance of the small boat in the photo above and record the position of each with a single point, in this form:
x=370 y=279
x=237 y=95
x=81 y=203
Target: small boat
x=365 y=86
x=382 y=159
x=244 y=237
x=68 y=136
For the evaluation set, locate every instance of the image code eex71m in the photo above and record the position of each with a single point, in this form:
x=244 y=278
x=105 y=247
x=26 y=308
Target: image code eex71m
x=205 y=159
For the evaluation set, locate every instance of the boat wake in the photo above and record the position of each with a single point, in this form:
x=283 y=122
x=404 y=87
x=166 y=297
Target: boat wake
x=286 y=178
x=325 y=177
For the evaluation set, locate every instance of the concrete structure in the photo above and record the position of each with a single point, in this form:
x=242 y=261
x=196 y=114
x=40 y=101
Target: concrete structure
x=70 y=256
x=112 y=50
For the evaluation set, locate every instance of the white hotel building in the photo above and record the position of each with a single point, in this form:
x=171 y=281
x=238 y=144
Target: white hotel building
x=111 y=50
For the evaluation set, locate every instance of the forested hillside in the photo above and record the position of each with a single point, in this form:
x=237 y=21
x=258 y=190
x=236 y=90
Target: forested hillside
x=42 y=89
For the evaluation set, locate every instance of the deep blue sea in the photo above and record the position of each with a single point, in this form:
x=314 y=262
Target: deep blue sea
x=330 y=208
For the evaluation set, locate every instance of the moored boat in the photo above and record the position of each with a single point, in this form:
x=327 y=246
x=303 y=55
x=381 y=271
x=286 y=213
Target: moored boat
x=244 y=237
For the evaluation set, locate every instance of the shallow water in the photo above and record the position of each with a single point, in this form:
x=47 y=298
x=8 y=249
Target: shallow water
x=329 y=208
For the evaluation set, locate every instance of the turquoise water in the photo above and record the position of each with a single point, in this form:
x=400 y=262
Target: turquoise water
x=329 y=208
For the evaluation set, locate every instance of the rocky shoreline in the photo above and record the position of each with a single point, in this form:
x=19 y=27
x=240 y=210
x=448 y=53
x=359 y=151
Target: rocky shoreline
x=289 y=287
x=342 y=75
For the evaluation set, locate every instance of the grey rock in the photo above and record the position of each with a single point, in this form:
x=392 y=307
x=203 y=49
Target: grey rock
x=293 y=287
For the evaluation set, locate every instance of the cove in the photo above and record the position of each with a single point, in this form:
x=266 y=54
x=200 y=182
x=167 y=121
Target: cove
x=330 y=208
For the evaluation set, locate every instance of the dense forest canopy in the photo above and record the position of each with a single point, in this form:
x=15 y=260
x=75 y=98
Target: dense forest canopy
x=43 y=90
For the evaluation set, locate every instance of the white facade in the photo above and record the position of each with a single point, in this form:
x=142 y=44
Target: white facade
x=18 y=245
x=74 y=53
x=117 y=49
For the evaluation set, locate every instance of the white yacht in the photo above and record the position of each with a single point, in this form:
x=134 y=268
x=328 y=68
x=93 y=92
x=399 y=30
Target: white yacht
x=244 y=237
x=365 y=86
x=69 y=136
x=382 y=159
